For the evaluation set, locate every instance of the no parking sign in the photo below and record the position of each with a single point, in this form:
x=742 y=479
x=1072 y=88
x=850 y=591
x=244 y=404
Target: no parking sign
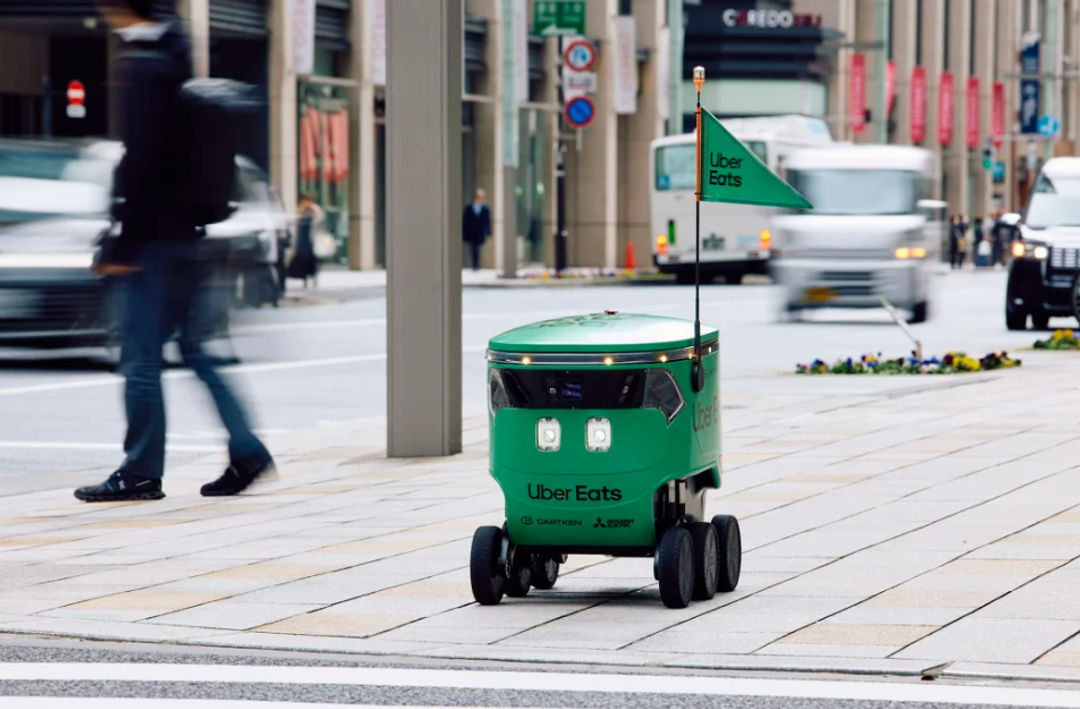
x=580 y=111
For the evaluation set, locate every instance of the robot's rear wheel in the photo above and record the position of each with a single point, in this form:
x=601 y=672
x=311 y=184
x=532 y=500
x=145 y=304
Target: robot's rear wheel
x=729 y=551
x=545 y=571
x=706 y=560
x=517 y=585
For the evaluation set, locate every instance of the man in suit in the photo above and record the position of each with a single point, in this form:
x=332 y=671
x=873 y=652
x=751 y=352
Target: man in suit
x=476 y=226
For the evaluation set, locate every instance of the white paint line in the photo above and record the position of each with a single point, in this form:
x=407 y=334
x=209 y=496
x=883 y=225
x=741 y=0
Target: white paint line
x=111 y=447
x=914 y=691
x=147 y=703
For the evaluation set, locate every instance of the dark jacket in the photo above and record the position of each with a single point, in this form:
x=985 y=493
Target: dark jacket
x=152 y=67
x=475 y=228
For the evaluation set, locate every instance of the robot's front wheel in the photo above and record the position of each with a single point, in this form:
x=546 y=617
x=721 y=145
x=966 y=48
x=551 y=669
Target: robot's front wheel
x=675 y=567
x=485 y=573
x=729 y=557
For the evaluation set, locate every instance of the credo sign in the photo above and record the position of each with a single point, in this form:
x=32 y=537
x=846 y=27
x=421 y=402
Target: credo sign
x=771 y=19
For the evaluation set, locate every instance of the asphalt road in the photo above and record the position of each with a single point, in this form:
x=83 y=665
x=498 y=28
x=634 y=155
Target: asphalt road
x=61 y=419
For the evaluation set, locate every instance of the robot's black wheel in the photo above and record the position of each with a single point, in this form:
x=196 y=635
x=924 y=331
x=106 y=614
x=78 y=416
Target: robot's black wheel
x=706 y=560
x=676 y=567
x=488 y=581
x=517 y=585
x=545 y=571
x=730 y=551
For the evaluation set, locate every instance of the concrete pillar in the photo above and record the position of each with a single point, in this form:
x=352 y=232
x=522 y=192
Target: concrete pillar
x=505 y=206
x=197 y=15
x=591 y=179
x=904 y=55
x=423 y=134
x=636 y=132
x=983 y=24
x=283 y=108
x=362 y=147
x=933 y=55
x=954 y=163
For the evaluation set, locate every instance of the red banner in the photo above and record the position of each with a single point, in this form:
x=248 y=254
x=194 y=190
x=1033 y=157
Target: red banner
x=997 y=114
x=918 y=104
x=890 y=86
x=972 y=112
x=945 y=109
x=858 y=92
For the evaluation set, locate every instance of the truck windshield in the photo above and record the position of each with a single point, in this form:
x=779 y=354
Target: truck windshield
x=675 y=165
x=857 y=192
x=1054 y=203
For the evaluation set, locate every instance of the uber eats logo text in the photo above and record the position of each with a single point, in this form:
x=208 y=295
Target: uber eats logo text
x=719 y=170
x=578 y=493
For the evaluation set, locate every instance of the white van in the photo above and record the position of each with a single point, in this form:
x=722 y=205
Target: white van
x=872 y=231
x=735 y=238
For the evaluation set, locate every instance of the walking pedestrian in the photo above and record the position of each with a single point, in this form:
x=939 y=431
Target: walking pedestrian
x=476 y=226
x=1002 y=237
x=158 y=259
x=304 y=264
x=980 y=249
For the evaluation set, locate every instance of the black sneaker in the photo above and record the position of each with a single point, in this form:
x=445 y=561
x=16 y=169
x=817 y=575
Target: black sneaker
x=121 y=486
x=234 y=480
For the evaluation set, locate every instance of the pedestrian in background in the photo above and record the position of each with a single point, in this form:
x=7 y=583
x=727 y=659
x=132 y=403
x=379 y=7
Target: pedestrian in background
x=476 y=226
x=1001 y=235
x=980 y=248
x=157 y=255
x=304 y=264
x=957 y=242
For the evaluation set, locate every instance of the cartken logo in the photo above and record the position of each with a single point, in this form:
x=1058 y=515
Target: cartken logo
x=599 y=523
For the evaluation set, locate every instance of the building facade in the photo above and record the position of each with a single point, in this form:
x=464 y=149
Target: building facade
x=989 y=87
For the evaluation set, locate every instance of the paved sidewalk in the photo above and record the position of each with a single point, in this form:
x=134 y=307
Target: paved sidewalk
x=891 y=525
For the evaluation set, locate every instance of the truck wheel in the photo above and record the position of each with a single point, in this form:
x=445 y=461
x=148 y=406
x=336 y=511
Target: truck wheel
x=918 y=313
x=517 y=586
x=1040 y=321
x=730 y=551
x=1015 y=319
x=676 y=568
x=545 y=572
x=487 y=578
x=706 y=560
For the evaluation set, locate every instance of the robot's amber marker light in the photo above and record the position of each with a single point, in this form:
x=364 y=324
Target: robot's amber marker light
x=699 y=77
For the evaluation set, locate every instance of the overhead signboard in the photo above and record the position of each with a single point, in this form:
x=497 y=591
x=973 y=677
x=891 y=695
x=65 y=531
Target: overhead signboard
x=918 y=104
x=1029 y=84
x=302 y=30
x=857 y=93
x=625 y=74
x=972 y=112
x=945 y=108
x=558 y=18
x=731 y=172
x=580 y=111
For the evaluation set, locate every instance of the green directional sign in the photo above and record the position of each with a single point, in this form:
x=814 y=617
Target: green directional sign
x=731 y=172
x=558 y=18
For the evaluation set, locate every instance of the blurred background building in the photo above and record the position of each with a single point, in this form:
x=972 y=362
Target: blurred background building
x=944 y=74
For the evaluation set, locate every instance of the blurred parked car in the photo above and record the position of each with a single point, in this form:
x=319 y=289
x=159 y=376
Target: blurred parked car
x=872 y=232
x=1046 y=255
x=54 y=205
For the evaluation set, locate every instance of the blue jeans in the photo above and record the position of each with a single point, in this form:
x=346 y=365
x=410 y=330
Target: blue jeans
x=171 y=295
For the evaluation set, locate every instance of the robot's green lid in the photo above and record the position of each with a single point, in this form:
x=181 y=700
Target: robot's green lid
x=608 y=331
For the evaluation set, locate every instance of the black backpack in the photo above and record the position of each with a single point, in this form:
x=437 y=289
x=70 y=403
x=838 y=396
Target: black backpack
x=213 y=113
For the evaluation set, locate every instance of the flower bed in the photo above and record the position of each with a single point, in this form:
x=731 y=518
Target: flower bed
x=1060 y=340
x=951 y=363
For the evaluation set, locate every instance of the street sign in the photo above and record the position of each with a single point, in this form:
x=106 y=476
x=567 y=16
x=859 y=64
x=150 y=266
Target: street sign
x=580 y=55
x=76 y=93
x=998 y=174
x=1048 y=126
x=76 y=96
x=558 y=18
x=580 y=111
x=579 y=82
x=731 y=172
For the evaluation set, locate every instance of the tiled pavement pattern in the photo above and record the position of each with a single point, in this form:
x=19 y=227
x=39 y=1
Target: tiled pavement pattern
x=890 y=525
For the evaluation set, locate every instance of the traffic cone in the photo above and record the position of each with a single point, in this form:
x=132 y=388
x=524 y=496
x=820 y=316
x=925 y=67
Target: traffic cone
x=631 y=262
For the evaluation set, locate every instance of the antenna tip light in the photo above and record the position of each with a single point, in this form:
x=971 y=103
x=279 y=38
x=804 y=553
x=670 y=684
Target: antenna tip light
x=699 y=76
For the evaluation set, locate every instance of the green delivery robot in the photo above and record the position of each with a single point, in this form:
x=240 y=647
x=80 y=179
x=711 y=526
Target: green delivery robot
x=605 y=437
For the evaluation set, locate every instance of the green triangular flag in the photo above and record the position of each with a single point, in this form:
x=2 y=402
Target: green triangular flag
x=731 y=172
